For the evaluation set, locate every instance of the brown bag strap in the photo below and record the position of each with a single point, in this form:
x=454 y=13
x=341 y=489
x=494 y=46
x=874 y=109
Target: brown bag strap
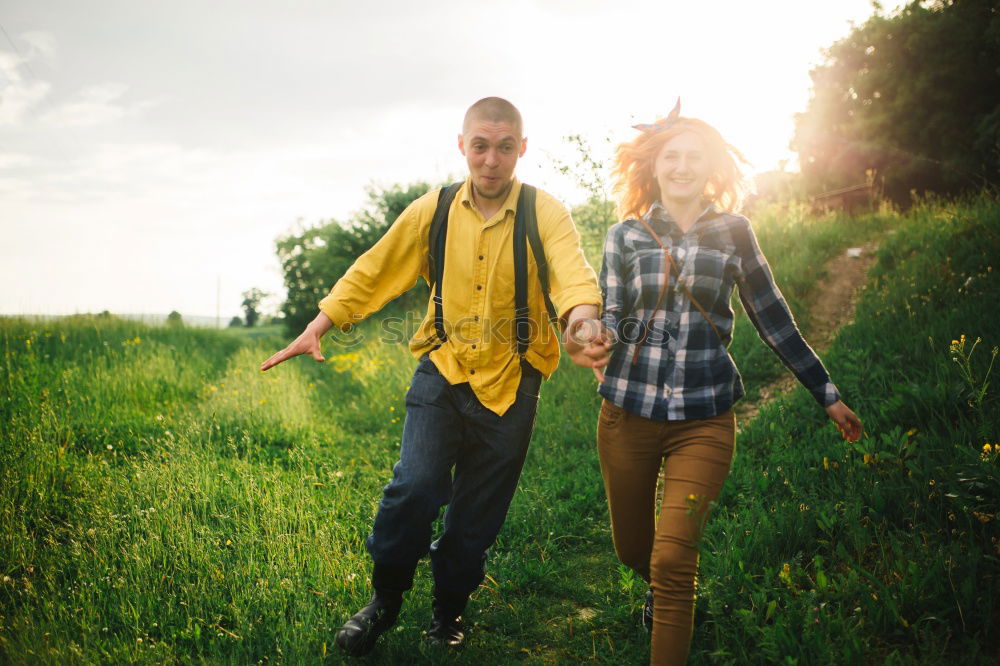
x=667 y=264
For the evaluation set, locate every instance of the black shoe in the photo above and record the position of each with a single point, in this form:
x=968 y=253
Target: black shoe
x=446 y=630
x=358 y=635
x=647 y=611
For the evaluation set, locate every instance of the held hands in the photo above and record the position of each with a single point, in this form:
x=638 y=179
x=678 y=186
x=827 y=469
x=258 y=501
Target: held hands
x=587 y=342
x=846 y=421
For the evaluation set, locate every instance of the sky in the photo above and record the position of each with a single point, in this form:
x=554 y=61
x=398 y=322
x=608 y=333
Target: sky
x=152 y=152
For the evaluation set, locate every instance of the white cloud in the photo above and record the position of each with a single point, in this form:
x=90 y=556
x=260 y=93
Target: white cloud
x=40 y=43
x=11 y=160
x=17 y=95
x=95 y=105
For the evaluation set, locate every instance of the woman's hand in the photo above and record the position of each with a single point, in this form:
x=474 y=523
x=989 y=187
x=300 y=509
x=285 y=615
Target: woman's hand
x=587 y=342
x=847 y=422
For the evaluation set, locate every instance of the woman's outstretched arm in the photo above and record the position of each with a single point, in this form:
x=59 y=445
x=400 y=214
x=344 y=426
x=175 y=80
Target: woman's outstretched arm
x=770 y=315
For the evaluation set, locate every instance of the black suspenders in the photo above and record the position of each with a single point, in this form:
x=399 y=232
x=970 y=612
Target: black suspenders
x=525 y=233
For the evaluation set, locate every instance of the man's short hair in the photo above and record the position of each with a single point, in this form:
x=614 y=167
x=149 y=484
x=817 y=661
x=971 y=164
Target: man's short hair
x=494 y=110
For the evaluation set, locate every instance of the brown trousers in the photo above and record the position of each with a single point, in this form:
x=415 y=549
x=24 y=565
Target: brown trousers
x=695 y=455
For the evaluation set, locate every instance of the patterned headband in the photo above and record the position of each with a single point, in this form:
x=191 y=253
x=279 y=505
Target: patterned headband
x=663 y=123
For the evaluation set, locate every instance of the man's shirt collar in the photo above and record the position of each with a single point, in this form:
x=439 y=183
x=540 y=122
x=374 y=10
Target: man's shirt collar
x=509 y=204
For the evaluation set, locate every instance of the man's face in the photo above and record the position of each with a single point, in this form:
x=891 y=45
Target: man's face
x=491 y=150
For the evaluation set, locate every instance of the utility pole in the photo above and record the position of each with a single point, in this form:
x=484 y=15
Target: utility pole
x=218 y=299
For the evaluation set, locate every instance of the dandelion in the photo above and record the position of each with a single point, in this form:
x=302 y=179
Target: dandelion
x=869 y=459
x=110 y=448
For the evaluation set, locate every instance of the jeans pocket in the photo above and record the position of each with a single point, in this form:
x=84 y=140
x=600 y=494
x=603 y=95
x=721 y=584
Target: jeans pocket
x=426 y=365
x=531 y=383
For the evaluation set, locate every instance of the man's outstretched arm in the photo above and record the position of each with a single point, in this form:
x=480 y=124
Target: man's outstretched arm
x=385 y=271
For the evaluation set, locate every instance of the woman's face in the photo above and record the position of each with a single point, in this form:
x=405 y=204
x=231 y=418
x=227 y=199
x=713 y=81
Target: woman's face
x=682 y=168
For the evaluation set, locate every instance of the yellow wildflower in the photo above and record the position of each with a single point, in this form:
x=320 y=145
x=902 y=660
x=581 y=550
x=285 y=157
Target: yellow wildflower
x=826 y=463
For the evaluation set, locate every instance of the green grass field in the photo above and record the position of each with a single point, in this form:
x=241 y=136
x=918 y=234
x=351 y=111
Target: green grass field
x=162 y=501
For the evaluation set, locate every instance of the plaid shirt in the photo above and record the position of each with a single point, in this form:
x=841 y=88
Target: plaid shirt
x=684 y=370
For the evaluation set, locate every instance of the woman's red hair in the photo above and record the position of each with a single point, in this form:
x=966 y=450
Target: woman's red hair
x=636 y=188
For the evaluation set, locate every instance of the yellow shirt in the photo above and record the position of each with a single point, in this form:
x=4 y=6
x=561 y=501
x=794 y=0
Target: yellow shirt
x=477 y=289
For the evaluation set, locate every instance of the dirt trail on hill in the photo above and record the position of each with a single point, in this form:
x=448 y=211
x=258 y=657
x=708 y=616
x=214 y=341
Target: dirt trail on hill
x=837 y=294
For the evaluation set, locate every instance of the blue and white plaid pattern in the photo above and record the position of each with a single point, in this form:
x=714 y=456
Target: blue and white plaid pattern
x=684 y=371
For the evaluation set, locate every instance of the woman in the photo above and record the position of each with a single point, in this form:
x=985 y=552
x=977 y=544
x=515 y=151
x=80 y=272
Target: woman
x=668 y=273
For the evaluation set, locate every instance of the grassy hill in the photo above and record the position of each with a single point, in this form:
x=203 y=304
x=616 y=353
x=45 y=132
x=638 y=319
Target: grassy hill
x=161 y=501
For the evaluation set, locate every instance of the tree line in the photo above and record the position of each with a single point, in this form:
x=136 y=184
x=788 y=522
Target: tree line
x=911 y=99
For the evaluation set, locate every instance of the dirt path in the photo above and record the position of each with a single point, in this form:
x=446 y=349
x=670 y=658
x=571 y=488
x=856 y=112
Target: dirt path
x=834 y=307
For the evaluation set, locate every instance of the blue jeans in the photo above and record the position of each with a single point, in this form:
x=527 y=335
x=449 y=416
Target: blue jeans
x=447 y=428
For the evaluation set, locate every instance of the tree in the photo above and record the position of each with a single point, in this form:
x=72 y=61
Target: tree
x=591 y=174
x=251 y=303
x=174 y=319
x=914 y=96
x=235 y=322
x=315 y=258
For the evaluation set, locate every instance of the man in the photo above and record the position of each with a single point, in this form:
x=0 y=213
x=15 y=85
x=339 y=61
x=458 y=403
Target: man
x=471 y=403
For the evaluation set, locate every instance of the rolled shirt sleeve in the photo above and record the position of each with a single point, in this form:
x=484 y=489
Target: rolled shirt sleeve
x=382 y=273
x=572 y=281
